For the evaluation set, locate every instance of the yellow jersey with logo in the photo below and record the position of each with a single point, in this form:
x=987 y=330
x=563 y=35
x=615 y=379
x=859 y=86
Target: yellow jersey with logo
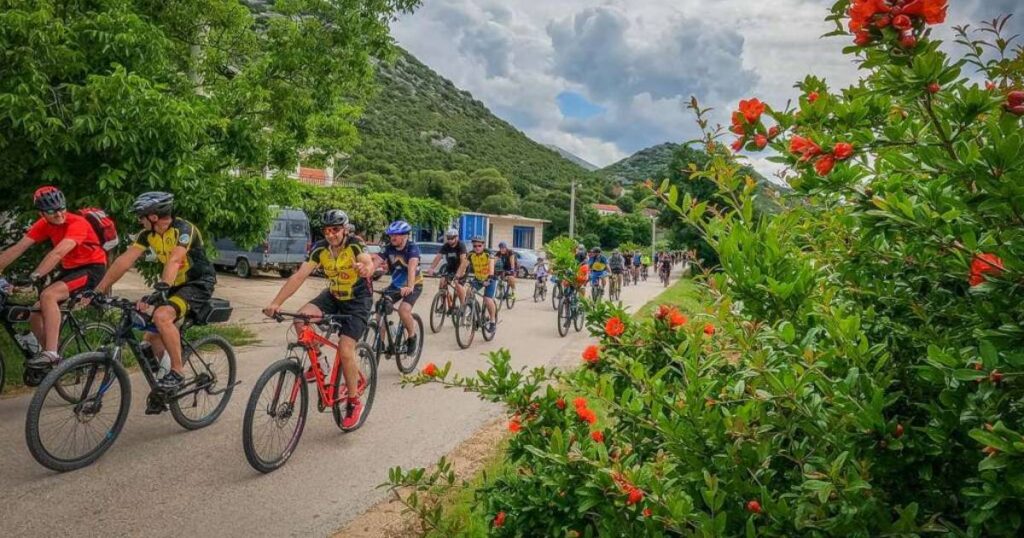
x=480 y=263
x=196 y=266
x=339 y=268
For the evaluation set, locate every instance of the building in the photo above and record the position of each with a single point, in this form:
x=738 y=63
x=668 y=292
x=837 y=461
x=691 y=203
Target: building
x=606 y=209
x=516 y=230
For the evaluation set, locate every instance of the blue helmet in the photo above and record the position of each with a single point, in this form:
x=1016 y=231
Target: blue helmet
x=399 y=227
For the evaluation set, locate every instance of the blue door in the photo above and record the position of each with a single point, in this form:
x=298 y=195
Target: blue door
x=522 y=237
x=470 y=225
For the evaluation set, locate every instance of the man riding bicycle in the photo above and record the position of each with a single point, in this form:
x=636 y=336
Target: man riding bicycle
x=453 y=252
x=617 y=264
x=347 y=267
x=581 y=253
x=598 y=265
x=82 y=262
x=507 y=263
x=482 y=264
x=186 y=281
x=403 y=258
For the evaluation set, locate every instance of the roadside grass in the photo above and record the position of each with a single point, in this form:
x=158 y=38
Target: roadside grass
x=238 y=335
x=459 y=512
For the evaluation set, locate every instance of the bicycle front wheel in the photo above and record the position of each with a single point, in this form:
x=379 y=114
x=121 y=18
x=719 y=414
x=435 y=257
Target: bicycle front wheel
x=438 y=311
x=64 y=435
x=90 y=337
x=556 y=296
x=209 y=381
x=577 y=320
x=407 y=360
x=465 y=325
x=564 y=317
x=485 y=317
x=275 y=416
x=367 y=384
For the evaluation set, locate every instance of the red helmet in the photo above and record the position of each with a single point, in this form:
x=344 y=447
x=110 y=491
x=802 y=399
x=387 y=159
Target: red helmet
x=48 y=198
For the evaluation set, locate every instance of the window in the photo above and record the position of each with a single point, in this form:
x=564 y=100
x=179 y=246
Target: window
x=522 y=237
x=296 y=228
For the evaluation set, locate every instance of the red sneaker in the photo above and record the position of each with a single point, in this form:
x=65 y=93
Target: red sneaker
x=353 y=412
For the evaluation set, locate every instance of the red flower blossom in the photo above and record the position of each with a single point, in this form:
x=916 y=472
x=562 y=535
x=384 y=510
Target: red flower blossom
x=773 y=132
x=614 y=327
x=812 y=97
x=933 y=11
x=591 y=354
x=737 y=144
x=1015 y=102
x=862 y=39
x=430 y=369
x=933 y=87
x=805 y=147
x=995 y=376
x=560 y=403
x=753 y=506
x=647 y=512
x=597 y=436
x=514 y=425
x=862 y=11
x=634 y=495
x=842 y=151
x=908 y=40
x=709 y=329
x=760 y=141
x=580 y=403
x=676 y=319
x=751 y=109
x=663 y=311
x=983 y=264
x=990 y=86
x=824 y=164
x=499 y=519
x=902 y=22
x=587 y=415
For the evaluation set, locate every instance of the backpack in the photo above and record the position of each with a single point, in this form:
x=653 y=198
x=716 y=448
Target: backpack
x=103 y=225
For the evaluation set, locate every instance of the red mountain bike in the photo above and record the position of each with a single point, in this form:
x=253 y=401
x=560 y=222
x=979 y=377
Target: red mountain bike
x=276 y=413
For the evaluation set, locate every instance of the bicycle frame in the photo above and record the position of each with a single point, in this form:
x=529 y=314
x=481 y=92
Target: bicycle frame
x=67 y=318
x=312 y=341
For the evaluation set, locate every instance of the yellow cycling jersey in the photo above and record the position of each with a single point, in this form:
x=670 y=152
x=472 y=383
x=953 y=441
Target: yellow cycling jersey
x=196 y=266
x=480 y=262
x=343 y=280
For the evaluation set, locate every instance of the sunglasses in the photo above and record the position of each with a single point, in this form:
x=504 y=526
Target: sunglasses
x=334 y=230
x=478 y=245
x=52 y=212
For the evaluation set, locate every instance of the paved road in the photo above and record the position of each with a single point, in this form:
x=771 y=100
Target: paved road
x=160 y=480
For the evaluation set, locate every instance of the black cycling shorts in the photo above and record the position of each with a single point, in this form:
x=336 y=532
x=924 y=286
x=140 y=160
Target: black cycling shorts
x=189 y=296
x=396 y=294
x=357 y=309
x=616 y=270
x=81 y=278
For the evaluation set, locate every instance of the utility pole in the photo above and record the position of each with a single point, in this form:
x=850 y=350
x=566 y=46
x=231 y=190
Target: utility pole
x=572 y=211
x=654 y=221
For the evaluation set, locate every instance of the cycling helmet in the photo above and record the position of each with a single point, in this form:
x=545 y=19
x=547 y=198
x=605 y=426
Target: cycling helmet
x=595 y=250
x=399 y=227
x=49 y=198
x=451 y=233
x=154 y=203
x=503 y=245
x=334 y=217
x=477 y=239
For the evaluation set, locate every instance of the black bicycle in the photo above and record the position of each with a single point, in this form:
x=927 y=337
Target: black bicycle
x=65 y=435
x=596 y=290
x=473 y=316
x=540 y=289
x=386 y=337
x=570 y=311
x=78 y=334
x=556 y=294
x=505 y=295
x=444 y=305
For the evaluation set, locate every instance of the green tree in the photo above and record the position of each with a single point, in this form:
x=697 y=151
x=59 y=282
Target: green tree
x=110 y=98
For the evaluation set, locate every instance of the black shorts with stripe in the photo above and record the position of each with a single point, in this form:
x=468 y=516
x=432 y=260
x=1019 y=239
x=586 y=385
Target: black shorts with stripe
x=82 y=278
x=357 y=308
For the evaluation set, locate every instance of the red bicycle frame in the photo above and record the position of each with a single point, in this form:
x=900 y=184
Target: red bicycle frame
x=312 y=341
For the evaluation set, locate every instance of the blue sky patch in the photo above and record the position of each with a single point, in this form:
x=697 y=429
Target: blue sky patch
x=574 y=105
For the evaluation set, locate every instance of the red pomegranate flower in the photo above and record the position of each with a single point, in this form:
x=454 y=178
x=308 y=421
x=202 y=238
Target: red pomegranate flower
x=580 y=403
x=614 y=327
x=753 y=506
x=737 y=145
x=1015 y=102
x=430 y=369
x=751 y=109
x=709 y=329
x=647 y=512
x=805 y=147
x=499 y=519
x=587 y=415
x=597 y=436
x=591 y=354
x=902 y=22
x=824 y=164
x=634 y=495
x=842 y=151
x=773 y=132
x=983 y=264
x=676 y=319
x=760 y=141
x=812 y=97
x=933 y=11
x=514 y=425
x=560 y=403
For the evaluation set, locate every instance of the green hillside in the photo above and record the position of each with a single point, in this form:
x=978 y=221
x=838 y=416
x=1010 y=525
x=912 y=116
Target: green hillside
x=649 y=163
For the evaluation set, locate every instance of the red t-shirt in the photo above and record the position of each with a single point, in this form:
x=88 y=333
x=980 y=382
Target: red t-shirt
x=87 y=249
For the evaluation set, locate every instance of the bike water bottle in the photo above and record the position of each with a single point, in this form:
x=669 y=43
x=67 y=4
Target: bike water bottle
x=150 y=359
x=28 y=342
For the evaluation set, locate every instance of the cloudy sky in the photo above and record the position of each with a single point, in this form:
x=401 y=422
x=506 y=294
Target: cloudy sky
x=605 y=78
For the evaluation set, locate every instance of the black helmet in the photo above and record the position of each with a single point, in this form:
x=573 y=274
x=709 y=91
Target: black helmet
x=154 y=203
x=49 y=199
x=477 y=239
x=334 y=217
x=595 y=250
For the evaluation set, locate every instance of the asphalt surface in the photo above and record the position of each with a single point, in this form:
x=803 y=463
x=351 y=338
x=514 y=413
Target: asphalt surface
x=161 y=480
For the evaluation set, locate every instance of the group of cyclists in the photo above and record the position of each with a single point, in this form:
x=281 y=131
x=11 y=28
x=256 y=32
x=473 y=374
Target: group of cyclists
x=187 y=279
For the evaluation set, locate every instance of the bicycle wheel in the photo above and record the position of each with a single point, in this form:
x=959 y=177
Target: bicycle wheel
x=438 y=311
x=564 y=317
x=556 y=296
x=367 y=387
x=577 y=319
x=64 y=436
x=484 y=316
x=406 y=361
x=500 y=294
x=209 y=381
x=90 y=337
x=510 y=296
x=273 y=420
x=465 y=324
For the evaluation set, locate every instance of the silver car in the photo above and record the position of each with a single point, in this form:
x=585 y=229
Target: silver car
x=526 y=262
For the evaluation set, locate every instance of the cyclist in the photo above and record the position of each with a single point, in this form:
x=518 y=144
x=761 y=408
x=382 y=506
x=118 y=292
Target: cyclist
x=453 y=252
x=482 y=264
x=628 y=270
x=616 y=262
x=403 y=258
x=507 y=263
x=581 y=253
x=645 y=263
x=82 y=261
x=347 y=266
x=665 y=262
x=186 y=281
x=598 y=265
x=540 y=271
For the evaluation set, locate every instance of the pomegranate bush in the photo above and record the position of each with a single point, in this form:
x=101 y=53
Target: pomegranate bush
x=858 y=371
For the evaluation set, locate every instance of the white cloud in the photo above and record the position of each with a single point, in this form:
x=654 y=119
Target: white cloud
x=639 y=59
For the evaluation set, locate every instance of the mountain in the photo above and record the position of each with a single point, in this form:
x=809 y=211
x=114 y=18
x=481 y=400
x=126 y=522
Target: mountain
x=649 y=163
x=568 y=155
x=418 y=120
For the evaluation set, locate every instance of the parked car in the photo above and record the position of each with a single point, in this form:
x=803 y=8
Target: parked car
x=428 y=251
x=286 y=246
x=527 y=261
